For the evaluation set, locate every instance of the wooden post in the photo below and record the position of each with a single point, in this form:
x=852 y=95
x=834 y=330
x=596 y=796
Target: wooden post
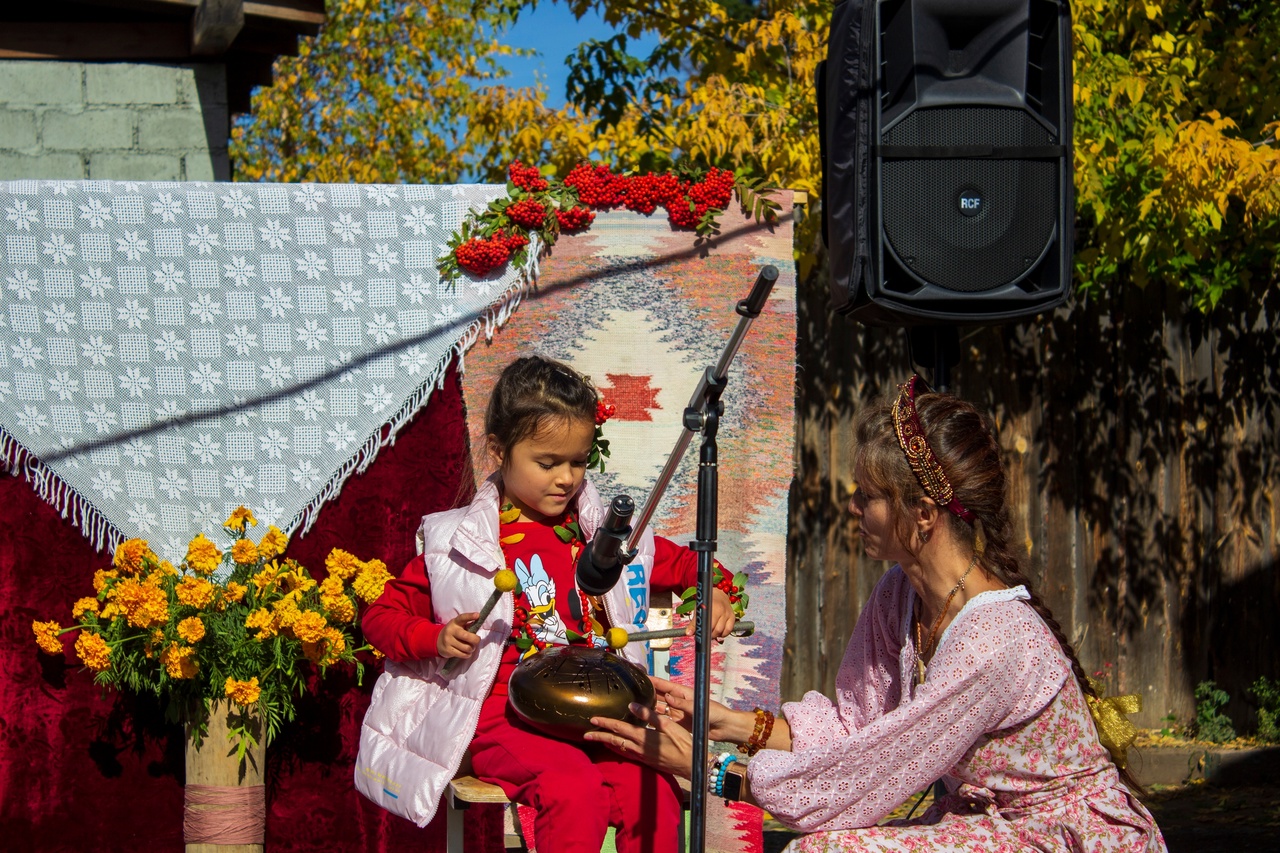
x=225 y=808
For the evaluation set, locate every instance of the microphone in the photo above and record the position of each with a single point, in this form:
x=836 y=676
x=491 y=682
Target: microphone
x=601 y=563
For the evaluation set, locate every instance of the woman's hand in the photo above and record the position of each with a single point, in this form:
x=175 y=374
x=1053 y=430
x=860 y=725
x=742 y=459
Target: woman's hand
x=455 y=641
x=675 y=702
x=666 y=745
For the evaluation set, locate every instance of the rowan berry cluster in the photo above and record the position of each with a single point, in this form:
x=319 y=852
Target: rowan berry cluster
x=527 y=178
x=577 y=218
x=480 y=256
x=527 y=213
x=597 y=187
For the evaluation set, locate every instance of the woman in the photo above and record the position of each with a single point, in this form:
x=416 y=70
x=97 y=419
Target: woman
x=956 y=670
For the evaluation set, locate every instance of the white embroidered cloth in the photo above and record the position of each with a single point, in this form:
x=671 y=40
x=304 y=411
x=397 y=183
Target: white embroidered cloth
x=132 y=314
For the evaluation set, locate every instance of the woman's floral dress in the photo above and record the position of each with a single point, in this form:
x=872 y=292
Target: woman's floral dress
x=1000 y=718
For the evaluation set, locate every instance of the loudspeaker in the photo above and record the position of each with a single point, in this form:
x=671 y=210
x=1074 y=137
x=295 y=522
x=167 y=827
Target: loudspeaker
x=947 y=164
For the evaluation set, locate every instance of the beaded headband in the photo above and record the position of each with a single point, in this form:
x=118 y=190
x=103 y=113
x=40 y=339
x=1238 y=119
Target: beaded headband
x=924 y=464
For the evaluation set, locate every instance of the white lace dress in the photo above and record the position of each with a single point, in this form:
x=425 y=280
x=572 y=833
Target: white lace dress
x=999 y=718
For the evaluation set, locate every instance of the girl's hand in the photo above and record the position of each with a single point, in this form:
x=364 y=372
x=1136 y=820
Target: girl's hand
x=668 y=746
x=722 y=618
x=675 y=702
x=455 y=641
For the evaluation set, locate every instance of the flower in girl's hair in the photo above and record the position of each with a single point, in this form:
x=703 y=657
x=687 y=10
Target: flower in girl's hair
x=599 y=444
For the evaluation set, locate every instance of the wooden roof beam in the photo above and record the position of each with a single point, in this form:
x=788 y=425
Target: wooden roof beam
x=215 y=25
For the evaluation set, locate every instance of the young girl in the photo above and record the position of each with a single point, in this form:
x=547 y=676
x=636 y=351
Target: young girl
x=534 y=515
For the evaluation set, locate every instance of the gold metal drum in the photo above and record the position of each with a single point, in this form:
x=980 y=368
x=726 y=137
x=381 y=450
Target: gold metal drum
x=560 y=689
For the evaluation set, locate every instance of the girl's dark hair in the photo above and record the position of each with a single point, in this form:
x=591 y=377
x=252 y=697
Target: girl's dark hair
x=964 y=442
x=532 y=390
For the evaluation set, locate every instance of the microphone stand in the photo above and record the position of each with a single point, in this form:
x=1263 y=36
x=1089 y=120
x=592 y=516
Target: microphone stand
x=703 y=415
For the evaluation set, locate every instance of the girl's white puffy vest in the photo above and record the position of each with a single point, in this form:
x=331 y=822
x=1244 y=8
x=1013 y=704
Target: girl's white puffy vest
x=420 y=722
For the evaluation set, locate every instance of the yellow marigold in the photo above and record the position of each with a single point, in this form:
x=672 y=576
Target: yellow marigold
x=203 y=556
x=131 y=556
x=100 y=578
x=47 y=637
x=309 y=626
x=339 y=608
x=286 y=612
x=265 y=579
x=238 y=519
x=243 y=693
x=143 y=605
x=328 y=649
x=371 y=580
x=191 y=629
x=111 y=611
x=179 y=661
x=296 y=581
x=262 y=620
x=194 y=592
x=155 y=579
x=273 y=543
x=244 y=552
x=156 y=639
x=94 y=651
x=166 y=568
x=83 y=606
x=235 y=592
x=341 y=563
x=331 y=585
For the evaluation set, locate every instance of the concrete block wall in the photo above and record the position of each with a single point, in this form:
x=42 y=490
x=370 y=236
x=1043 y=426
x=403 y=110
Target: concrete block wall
x=113 y=121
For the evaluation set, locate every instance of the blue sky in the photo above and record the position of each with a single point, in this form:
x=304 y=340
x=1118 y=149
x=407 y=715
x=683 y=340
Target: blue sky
x=552 y=30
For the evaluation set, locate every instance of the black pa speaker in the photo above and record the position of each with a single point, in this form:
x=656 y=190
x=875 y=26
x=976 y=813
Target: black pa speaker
x=946 y=151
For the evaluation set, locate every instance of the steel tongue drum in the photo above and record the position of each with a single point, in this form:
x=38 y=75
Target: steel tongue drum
x=560 y=689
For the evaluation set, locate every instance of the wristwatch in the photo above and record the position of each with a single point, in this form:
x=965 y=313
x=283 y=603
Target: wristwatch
x=735 y=779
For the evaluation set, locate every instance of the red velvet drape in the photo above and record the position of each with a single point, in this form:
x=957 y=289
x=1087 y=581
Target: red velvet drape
x=82 y=769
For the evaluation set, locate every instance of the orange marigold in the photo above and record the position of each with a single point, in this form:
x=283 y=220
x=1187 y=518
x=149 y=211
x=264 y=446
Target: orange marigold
x=191 y=629
x=195 y=592
x=309 y=626
x=83 y=606
x=179 y=661
x=266 y=578
x=341 y=563
x=235 y=591
x=143 y=605
x=273 y=543
x=94 y=651
x=47 y=637
x=203 y=556
x=244 y=552
x=262 y=620
x=286 y=612
x=339 y=608
x=238 y=519
x=328 y=649
x=131 y=556
x=101 y=577
x=243 y=693
x=370 y=581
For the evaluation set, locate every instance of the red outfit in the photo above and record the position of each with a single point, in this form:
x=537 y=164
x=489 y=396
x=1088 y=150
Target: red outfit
x=578 y=789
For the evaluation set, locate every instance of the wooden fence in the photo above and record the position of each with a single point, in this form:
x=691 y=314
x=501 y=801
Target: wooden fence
x=1142 y=441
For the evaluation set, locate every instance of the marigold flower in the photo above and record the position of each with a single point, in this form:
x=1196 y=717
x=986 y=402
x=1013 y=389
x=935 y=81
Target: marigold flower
x=297 y=582
x=101 y=577
x=191 y=629
x=47 y=637
x=131 y=556
x=339 y=608
x=341 y=564
x=94 y=651
x=238 y=518
x=285 y=612
x=243 y=693
x=371 y=580
x=143 y=605
x=244 y=552
x=309 y=626
x=195 y=592
x=266 y=578
x=111 y=611
x=203 y=556
x=261 y=620
x=328 y=649
x=179 y=662
x=83 y=606
x=235 y=592
x=156 y=639
x=273 y=543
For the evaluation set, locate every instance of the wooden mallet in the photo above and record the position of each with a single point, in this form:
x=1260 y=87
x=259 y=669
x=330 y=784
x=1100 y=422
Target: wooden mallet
x=503 y=582
x=618 y=637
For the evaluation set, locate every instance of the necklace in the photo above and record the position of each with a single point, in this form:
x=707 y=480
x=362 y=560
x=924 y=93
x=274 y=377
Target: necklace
x=924 y=650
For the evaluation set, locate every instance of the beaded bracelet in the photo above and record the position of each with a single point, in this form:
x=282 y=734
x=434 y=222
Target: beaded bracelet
x=760 y=734
x=715 y=785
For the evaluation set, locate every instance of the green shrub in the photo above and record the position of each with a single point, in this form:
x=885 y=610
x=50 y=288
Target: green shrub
x=1267 y=694
x=1210 y=723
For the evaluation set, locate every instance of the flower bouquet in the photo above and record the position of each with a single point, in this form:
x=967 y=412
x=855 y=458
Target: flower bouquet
x=240 y=626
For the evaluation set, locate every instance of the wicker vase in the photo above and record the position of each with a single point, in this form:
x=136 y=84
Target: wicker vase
x=225 y=809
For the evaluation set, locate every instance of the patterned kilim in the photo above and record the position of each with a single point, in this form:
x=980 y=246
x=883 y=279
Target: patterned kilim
x=207 y=346
x=638 y=308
